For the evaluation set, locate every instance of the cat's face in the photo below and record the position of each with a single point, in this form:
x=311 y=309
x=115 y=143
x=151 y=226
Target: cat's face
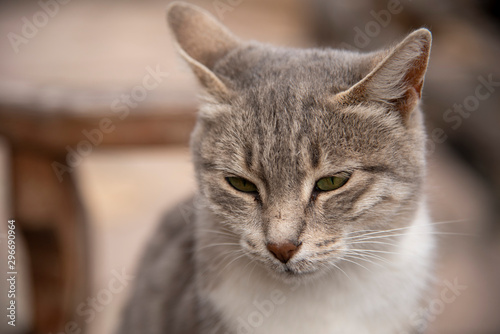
x=284 y=143
x=299 y=153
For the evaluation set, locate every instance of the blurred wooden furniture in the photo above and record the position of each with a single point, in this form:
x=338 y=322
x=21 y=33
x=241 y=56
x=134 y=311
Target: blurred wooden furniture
x=62 y=80
x=46 y=200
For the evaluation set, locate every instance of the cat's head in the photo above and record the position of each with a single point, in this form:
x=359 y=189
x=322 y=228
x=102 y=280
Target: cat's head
x=299 y=153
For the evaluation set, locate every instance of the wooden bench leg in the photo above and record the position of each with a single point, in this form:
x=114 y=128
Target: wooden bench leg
x=49 y=214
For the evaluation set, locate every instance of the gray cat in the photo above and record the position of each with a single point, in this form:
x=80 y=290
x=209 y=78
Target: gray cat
x=310 y=215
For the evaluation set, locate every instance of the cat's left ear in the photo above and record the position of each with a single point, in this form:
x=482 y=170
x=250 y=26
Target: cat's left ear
x=202 y=41
x=397 y=80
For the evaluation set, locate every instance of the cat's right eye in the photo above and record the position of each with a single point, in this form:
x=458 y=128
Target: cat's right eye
x=242 y=184
x=332 y=182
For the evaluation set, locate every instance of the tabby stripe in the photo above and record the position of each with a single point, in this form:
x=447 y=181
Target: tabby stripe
x=381 y=169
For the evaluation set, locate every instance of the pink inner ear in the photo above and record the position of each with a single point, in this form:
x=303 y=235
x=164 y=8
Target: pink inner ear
x=407 y=103
x=415 y=75
x=415 y=78
x=419 y=87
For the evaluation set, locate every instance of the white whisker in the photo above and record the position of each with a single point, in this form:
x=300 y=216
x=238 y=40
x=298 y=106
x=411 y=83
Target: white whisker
x=374 y=232
x=374 y=251
x=373 y=256
x=236 y=258
x=362 y=266
x=219 y=232
x=220 y=244
x=336 y=266
x=373 y=242
x=362 y=258
x=415 y=233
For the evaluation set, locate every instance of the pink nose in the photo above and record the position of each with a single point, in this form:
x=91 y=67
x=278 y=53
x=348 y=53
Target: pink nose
x=284 y=251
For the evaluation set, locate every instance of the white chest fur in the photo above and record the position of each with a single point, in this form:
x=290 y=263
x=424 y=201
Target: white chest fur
x=381 y=300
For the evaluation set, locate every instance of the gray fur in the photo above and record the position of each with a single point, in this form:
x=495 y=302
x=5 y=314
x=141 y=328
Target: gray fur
x=283 y=118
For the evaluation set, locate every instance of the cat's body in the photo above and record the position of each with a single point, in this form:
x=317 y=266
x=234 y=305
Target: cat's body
x=310 y=216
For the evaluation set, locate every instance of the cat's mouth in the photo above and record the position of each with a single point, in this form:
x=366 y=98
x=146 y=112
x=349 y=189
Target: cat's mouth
x=294 y=270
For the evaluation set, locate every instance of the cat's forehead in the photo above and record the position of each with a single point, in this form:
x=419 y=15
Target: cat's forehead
x=284 y=71
x=282 y=98
x=289 y=136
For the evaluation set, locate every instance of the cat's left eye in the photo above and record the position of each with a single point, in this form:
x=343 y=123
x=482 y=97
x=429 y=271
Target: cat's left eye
x=242 y=184
x=331 y=182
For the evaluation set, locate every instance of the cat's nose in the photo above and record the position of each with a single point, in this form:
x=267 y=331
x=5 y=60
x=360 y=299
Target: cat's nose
x=283 y=251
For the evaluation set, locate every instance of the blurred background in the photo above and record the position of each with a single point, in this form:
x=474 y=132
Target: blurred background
x=95 y=114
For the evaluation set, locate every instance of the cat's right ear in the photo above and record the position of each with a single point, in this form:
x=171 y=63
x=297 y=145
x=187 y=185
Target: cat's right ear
x=202 y=41
x=398 y=77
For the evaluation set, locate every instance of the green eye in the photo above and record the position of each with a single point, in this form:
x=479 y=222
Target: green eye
x=241 y=184
x=331 y=182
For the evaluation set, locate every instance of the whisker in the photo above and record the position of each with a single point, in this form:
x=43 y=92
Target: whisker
x=216 y=262
x=380 y=231
x=374 y=251
x=362 y=266
x=255 y=263
x=369 y=255
x=220 y=244
x=373 y=232
x=219 y=232
x=416 y=233
x=229 y=254
x=360 y=231
x=336 y=266
x=227 y=265
x=363 y=259
x=373 y=242
x=226 y=254
x=250 y=262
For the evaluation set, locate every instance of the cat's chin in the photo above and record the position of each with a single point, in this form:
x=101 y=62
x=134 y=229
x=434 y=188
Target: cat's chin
x=292 y=274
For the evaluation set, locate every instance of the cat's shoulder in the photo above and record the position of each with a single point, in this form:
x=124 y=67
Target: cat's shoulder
x=165 y=278
x=179 y=219
x=170 y=249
